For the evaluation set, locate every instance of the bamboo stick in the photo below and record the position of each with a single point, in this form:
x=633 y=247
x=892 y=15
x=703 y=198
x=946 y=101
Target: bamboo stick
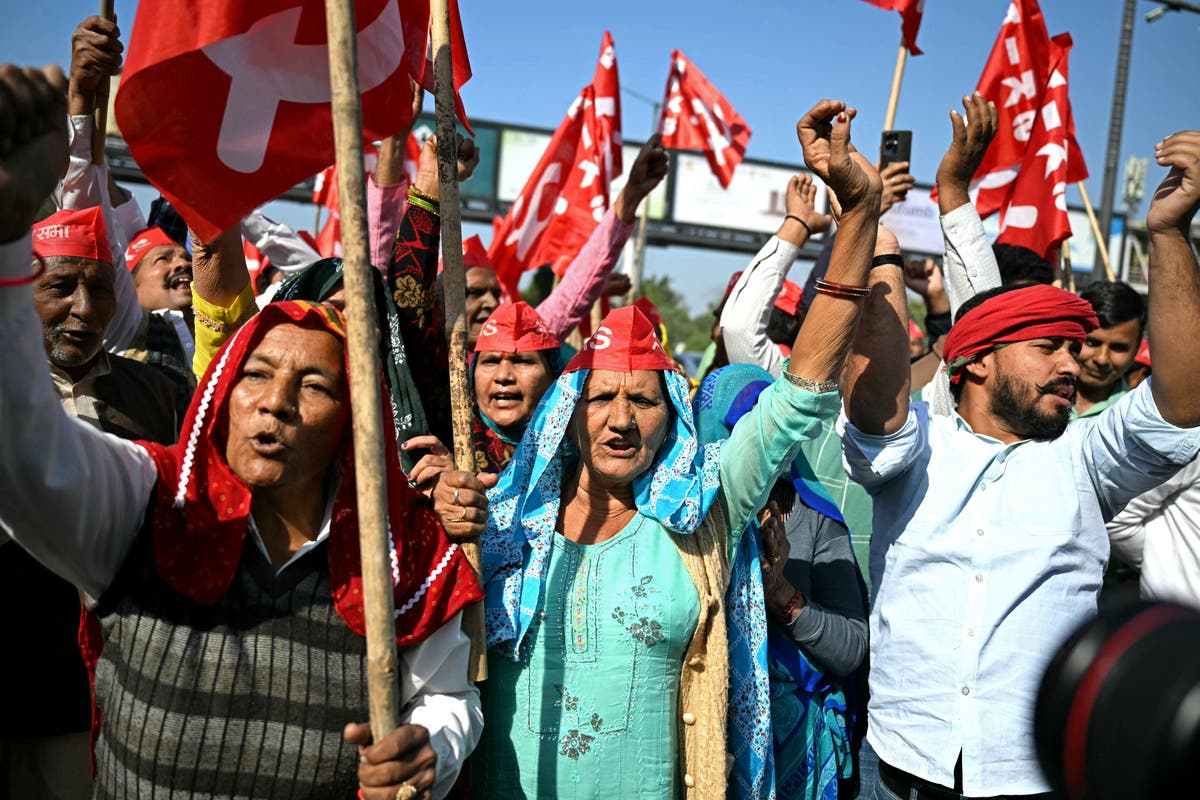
x=1101 y=240
x=454 y=281
x=100 y=113
x=363 y=349
x=889 y=118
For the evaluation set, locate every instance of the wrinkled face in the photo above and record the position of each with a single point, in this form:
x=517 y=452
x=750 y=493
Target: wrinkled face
x=75 y=299
x=483 y=295
x=1032 y=386
x=288 y=410
x=164 y=278
x=1108 y=354
x=620 y=423
x=509 y=386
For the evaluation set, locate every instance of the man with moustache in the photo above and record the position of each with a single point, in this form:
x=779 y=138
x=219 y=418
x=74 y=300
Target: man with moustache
x=44 y=730
x=989 y=539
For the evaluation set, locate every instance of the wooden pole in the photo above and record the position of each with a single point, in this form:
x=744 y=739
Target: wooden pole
x=454 y=280
x=1101 y=240
x=100 y=113
x=363 y=346
x=889 y=119
x=1068 y=276
x=639 y=247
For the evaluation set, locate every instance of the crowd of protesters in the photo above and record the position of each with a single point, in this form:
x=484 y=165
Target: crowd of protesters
x=834 y=563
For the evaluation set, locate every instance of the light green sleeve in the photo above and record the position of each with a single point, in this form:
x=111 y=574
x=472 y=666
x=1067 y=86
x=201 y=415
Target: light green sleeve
x=764 y=442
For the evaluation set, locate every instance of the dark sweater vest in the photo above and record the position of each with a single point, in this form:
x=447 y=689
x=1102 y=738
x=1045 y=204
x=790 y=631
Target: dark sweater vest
x=246 y=698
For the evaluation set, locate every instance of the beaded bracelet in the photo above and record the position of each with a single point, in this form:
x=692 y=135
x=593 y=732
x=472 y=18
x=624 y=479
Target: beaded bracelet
x=802 y=222
x=816 y=387
x=30 y=278
x=786 y=616
x=894 y=259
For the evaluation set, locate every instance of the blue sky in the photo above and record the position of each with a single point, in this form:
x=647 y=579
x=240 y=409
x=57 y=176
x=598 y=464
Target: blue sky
x=772 y=60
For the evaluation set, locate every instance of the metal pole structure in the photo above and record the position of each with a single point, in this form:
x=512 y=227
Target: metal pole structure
x=1115 y=123
x=1101 y=245
x=455 y=294
x=889 y=118
x=370 y=473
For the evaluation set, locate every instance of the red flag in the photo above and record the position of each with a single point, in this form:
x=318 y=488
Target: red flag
x=567 y=194
x=608 y=108
x=329 y=240
x=1014 y=79
x=412 y=156
x=422 y=65
x=1036 y=216
x=697 y=117
x=256 y=120
x=911 y=12
x=325 y=190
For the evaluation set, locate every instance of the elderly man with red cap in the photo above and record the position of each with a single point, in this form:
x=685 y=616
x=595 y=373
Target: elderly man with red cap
x=223 y=573
x=989 y=540
x=44 y=728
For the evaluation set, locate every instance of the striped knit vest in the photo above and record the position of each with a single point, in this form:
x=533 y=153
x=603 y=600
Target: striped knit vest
x=246 y=698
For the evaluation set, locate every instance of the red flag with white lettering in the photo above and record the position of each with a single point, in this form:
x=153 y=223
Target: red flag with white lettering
x=1036 y=216
x=325 y=190
x=256 y=120
x=567 y=194
x=1014 y=79
x=698 y=117
x=422 y=68
x=911 y=12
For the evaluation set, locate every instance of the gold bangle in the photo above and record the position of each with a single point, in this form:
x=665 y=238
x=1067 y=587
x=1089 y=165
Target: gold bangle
x=816 y=387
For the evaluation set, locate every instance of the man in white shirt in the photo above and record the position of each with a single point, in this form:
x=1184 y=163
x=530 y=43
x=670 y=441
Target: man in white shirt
x=989 y=541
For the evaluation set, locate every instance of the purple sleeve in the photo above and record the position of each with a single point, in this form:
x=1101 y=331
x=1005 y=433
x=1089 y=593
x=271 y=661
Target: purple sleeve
x=385 y=208
x=580 y=288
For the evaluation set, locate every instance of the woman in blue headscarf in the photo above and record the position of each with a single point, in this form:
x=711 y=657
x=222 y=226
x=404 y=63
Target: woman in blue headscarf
x=606 y=559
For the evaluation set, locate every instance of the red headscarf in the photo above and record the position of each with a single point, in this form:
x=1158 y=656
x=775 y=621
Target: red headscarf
x=143 y=243
x=1031 y=312
x=201 y=506
x=625 y=341
x=74 y=234
x=515 y=328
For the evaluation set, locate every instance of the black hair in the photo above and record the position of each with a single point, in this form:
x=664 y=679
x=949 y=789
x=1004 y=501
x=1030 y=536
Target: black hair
x=782 y=327
x=974 y=302
x=1020 y=266
x=1115 y=302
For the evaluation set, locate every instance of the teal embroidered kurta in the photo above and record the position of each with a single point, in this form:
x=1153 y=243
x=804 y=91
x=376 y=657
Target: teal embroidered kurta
x=597 y=720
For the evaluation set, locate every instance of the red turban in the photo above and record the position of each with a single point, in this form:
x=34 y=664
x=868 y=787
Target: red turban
x=515 y=328
x=1031 y=312
x=788 y=299
x=143 y=243
x=625 y=341
x=74 y=234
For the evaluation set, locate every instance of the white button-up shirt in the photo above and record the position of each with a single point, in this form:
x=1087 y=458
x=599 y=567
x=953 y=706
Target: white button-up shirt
x=985 y=557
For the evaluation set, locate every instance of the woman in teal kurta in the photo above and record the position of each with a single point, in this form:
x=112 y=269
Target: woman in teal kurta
x=589 y=604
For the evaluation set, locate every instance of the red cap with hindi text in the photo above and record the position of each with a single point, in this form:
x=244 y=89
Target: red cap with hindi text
x=475 y=254
x=143 y=243
x=74 y=234
x=788 y=299
x=515 y=328
x=624 y=342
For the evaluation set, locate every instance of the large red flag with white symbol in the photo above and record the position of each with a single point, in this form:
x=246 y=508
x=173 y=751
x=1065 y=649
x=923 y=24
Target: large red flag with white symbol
x=698 y=117
x=567 y=194
x=1036 y=216
x=911 y=12
x=229 y=110
x=1014 y=79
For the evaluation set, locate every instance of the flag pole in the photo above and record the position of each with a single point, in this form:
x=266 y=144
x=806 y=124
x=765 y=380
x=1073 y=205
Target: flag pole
x=1068 y=274
x=363 y=350
x=639 y=248
x=889 y=118
x=100 y=113
x=1101 y=241
x=455 y=294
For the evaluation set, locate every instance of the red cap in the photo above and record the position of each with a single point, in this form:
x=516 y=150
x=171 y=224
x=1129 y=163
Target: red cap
x=914 y=331
x=72 y=233
x=788 y=299
x=475 y=254
x=647 y=307
x=515 y=328
x=143 y=243
x=732 y=282
x=1143 y=354
x=624 y=342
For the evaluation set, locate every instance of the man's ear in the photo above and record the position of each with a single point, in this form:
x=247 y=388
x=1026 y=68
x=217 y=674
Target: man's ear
x=982 y=367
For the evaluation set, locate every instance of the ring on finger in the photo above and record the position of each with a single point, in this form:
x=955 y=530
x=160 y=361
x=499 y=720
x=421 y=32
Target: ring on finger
x=455 y=501
x=462 y=516
x=406 y=791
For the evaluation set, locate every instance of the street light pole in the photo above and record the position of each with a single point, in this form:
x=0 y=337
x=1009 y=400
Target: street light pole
x=1115 y=122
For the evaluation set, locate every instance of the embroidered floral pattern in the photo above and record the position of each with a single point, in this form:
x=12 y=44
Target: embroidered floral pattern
x=643 y=622
x=576 y=742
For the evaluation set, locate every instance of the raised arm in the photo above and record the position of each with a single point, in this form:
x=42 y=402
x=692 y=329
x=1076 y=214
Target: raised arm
x=748 y=309
x=72 y=496
x=387 y=188
x=1174 y=304
x=222 y=295
x=583 y=282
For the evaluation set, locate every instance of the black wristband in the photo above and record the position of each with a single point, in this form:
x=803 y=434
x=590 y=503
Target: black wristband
x=893 y=259
x=802 y=222
x=937 y=325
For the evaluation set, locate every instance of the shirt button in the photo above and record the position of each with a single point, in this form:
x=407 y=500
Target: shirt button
x=689 y=718
x=979 y=532
x=689 y=781
x=979 y=577
x=970 y=631
x=983 y=487
x=966 y=691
